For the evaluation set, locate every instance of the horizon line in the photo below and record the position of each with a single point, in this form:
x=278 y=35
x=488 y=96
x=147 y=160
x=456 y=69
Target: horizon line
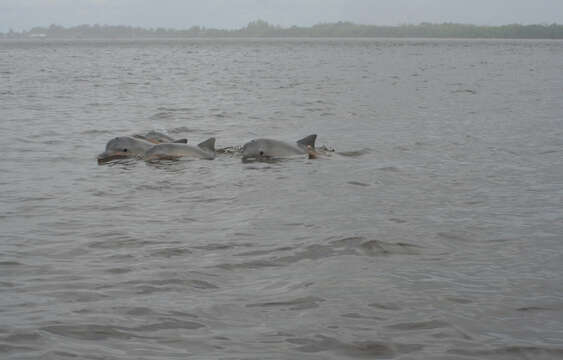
x=278 y=26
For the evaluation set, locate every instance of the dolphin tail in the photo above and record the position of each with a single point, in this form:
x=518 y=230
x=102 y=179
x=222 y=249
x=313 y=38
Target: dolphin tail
x=208 y=144
x=308 y=141
x=181 y=141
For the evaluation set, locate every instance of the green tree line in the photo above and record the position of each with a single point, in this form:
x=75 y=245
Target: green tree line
x=260 y=28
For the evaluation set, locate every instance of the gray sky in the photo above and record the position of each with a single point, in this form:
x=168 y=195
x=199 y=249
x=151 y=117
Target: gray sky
x=24 y=14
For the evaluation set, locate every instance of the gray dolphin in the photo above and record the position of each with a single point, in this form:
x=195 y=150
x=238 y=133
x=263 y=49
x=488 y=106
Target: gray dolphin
x=260 y=149
x=123 y=147
x=173 y=151
x=158 y=137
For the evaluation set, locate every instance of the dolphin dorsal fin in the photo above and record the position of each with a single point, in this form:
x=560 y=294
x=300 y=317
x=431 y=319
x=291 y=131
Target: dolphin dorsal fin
x=181 y=141
x=208 y=144
x=308 y=141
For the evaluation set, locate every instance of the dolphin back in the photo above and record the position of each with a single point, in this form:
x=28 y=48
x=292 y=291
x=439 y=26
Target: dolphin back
x=156 y=137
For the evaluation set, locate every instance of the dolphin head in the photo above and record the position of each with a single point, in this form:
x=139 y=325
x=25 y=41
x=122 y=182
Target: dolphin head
x=123 y=147
x=254 y=149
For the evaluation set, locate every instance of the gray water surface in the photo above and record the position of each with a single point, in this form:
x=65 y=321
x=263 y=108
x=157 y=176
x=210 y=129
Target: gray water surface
x=435 y=231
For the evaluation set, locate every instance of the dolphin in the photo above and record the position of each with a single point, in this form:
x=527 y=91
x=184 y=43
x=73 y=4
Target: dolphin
x=158 y=137
x=123 y=147
x=173 y=151
x=260 y=149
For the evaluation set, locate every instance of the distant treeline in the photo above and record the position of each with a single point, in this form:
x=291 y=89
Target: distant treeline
x=261 y=28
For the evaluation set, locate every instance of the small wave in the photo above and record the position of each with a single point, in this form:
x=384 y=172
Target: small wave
x=314 y=109
x=102 y=332
x=118 y=270
x=221 y=246
x=180 y=129
x=138 y=311
x=354 y=246
x=20 y=337
x=522 y=352
x=424 y=325
x=318 y=101
x=357 y=183
x=547 y=152
x=365 y=349
x=125 y=164
x=170 y=252
x=464 y=91
x=388 y=306
x=355 y=153
x=7 y=349
x=46 y=133
x=266 y=161
x=53 y=142
x=389 y=169
x=99 y=104
x=163 y=115
x=171 y=109
x=257 y=264
x=89 y=331
x=169 y=284
x=168 y=325
x=117 y=240
x=361 y=246
x=397 y=220
x=554 y=307
x=78 y=296
x=265 y=252
x=220 y=115
x=96 y=132
x=361 y=316
x=458 y=300
x=58 y=354
x=309 y=302
x=455 y=236
x=10 y=263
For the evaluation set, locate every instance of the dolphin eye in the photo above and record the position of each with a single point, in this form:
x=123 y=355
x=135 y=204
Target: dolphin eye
x=261 y=153
x=125 y=150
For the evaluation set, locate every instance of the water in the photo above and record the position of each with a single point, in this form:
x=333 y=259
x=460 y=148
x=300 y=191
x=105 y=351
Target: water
x=434 y=230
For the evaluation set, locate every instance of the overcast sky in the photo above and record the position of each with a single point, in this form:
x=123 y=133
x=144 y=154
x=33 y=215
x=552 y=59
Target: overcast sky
x=25 y=14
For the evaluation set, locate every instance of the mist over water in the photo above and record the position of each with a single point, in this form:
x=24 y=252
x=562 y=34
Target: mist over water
x=433 y=231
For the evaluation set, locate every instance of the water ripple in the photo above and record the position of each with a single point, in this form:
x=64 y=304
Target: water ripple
x=433 y=232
